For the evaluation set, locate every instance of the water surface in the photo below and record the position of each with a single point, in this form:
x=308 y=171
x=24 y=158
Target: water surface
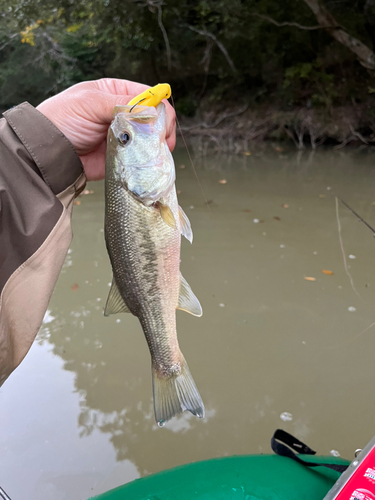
x=271 y=350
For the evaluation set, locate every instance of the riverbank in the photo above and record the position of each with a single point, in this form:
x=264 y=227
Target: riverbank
x=233 y=130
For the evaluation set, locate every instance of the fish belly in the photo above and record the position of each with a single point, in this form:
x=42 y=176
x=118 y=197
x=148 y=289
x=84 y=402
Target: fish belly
x=145 y=257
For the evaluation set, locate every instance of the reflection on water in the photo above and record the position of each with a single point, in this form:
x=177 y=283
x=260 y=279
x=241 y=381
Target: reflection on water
x=272 y=349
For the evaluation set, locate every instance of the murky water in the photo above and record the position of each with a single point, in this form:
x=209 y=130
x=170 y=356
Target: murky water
x=271 y=350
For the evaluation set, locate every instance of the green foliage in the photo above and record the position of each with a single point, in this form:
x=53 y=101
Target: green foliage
x=297 y=72
x=186 y=105
x=219 y=50
x=310 y=79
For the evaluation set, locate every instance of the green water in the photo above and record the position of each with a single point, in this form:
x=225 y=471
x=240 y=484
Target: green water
x=76 y=417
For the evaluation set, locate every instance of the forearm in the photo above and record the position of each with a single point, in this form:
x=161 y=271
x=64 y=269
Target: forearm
x=40 y=174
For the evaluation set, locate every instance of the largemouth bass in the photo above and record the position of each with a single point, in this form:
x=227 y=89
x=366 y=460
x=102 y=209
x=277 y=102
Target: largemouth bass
x=143 y=227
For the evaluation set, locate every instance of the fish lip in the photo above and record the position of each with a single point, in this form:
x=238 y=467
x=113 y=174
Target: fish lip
x=144 y=113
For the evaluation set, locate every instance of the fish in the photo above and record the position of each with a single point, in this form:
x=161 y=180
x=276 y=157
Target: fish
x=143 y=228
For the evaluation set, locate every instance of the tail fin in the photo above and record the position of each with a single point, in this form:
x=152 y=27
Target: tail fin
x=175 y=394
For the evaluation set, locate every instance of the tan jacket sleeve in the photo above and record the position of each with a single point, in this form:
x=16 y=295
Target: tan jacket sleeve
x=40 y=175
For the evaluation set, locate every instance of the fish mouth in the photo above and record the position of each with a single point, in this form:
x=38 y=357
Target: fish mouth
x=142 y=114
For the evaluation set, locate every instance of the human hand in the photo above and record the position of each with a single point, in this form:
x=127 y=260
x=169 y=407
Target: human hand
x=83 y=113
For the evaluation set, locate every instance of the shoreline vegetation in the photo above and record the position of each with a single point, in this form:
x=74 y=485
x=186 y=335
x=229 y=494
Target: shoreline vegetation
x=301 y=71
x=236 y=128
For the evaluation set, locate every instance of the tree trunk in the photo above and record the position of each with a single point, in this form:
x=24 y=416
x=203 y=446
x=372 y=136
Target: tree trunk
x=365 y=55
x=369 y=13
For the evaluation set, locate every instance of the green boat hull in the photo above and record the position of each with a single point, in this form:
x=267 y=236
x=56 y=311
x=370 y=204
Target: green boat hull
x=248 y=477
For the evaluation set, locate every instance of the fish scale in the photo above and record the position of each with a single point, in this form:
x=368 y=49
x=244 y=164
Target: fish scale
x=144 y=249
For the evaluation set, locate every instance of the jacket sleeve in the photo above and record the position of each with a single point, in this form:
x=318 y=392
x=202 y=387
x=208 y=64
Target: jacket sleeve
x=40 y=175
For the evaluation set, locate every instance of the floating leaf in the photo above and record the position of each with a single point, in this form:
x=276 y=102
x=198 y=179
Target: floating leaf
x=77 y=202
x=222 y=181
x=326 y=271
x=309 y=278
x=74 y=287
x=285 y=205
x=246 y=210
x=277 y=218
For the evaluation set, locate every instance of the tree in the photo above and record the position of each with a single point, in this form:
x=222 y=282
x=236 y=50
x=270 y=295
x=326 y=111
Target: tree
x=325 y=19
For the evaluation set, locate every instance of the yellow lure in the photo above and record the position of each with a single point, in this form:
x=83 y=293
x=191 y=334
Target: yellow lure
x=152 y=96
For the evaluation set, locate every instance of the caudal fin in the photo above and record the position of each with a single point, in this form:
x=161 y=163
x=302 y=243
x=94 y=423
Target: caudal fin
x=175 y=394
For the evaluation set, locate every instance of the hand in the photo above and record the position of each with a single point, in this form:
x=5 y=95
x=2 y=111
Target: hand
x=83 y=113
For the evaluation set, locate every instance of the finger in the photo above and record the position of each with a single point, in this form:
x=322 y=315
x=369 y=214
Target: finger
x=171 y=136
x=117 y=86
x=104 y=104
x=109 y=92
x=171 y=125
x=94 y=163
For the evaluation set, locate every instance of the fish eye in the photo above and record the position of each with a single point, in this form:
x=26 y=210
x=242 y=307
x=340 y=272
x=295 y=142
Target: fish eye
x=124 y=138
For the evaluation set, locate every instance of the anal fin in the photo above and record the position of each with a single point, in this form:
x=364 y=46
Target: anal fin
x=185 y=225
x=115 y=303
x=187 y=301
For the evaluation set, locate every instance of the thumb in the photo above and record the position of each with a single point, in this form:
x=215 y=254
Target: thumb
x=105 y=104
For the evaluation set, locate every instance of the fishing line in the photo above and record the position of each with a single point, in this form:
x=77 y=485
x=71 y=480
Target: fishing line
x=357 y=215
x=342 y=248
x=3 y=495
x=337 y=199
x=190 y=158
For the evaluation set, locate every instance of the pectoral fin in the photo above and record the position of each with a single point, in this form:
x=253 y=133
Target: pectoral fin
x=167 y=215
x=185 y=225
x=115 y=303
x=188 y=301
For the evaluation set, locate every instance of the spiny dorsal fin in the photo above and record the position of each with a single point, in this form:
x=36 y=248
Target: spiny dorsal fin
x=115 y=303
x=167 y=215
x=187 y=300
x=185 y=225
